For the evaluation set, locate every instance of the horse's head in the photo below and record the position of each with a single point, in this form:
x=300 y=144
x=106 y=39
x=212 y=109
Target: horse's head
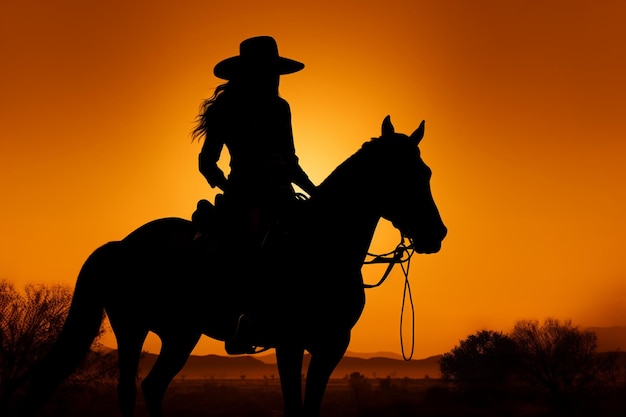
x=406 y=199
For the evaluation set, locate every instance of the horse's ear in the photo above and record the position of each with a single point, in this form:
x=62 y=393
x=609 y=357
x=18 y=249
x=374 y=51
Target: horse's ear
x=387 y=129
x=419 y=133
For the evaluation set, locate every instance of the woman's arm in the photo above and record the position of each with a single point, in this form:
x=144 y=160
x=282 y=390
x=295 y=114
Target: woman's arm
x=301 y=179
x=207 y=162
x=298 y=176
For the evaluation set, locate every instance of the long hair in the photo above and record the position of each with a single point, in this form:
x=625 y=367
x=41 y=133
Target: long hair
x=239 y=88
x=202 y=118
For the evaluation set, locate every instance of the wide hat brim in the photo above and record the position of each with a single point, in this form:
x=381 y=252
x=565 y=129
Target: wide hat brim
x=256 y=55
x=237 y=65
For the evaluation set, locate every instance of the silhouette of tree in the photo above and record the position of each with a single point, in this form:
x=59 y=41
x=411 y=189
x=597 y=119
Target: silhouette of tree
x=30 y=322
x=360 y=386
x=560 y=358
x=483 y=360
x=385 y=384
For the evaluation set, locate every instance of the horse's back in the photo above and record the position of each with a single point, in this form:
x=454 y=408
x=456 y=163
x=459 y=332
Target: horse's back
x=170 y=230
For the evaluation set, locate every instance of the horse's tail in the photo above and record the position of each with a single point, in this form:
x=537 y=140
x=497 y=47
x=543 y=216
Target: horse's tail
x=81 y=327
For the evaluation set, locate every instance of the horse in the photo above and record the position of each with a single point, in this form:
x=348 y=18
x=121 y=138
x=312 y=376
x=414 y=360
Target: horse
x=159 y=279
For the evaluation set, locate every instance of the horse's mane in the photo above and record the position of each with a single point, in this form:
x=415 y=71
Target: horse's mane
x=373 y=158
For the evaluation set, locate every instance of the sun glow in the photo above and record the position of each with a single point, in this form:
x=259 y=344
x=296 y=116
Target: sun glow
x=524 y=120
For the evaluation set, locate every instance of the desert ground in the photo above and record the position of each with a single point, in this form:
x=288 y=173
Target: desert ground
x=354 y=396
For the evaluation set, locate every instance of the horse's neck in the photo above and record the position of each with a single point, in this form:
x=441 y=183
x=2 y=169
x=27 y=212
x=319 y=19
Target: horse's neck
x=342 y=226
x=344 y=214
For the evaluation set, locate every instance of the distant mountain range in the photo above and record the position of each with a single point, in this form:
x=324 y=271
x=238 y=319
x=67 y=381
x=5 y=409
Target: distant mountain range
x=371 y=365
x=236 y=367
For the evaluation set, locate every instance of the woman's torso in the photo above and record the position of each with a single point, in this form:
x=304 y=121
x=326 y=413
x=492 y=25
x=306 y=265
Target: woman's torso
x=258 y=136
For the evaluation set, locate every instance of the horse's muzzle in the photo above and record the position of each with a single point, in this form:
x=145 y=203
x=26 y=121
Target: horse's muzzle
x=429 y=242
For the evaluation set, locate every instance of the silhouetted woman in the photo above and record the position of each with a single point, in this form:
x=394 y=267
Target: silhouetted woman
x=248 y=116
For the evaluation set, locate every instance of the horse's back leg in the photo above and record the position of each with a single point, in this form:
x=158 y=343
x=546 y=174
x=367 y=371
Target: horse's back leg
x=324 y=360
x=129 y=352
x=289 y=363
x=175 y=350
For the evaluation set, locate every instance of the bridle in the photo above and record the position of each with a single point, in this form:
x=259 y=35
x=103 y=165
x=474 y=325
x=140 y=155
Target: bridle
x=400 y=255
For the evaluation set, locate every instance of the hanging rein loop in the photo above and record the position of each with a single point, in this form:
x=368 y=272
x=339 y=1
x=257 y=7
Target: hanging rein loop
x=400 y=255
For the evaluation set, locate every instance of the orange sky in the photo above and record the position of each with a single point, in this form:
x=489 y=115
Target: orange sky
x=525 y=108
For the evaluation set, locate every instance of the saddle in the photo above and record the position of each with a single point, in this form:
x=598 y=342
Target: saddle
x=218 y=228
x=224 y=222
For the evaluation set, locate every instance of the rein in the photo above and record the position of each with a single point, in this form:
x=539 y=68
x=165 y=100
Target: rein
x=400 y=255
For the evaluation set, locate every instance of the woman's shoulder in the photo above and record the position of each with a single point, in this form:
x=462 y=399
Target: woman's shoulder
x=282 y=104
x=281 y=101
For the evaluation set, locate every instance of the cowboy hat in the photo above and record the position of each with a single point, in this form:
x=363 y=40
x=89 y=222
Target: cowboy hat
x=258 y=54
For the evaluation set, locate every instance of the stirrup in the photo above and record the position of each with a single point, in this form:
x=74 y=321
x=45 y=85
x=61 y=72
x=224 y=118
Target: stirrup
x=233 y=349
x=239 y=347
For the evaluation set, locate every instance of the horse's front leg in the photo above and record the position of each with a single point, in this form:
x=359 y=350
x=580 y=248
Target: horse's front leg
x=324 y=359
x=176 y=346
x=289 y=362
